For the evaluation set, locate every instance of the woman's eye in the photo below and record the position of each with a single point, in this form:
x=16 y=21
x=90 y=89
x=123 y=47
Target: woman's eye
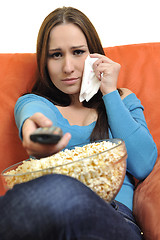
x=55 y=55
x=78 y=52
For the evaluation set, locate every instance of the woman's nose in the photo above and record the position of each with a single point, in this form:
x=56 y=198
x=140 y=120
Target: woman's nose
x=68 y=66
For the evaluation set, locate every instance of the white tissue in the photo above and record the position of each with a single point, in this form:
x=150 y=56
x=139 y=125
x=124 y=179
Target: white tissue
x=90 y=83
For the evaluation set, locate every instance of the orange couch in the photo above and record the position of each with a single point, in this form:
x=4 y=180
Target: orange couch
x=140 y=72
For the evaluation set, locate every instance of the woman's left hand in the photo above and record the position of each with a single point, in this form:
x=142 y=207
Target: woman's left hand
x=107 y=72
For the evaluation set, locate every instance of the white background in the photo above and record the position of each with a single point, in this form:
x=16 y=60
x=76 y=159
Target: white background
x=118 y=22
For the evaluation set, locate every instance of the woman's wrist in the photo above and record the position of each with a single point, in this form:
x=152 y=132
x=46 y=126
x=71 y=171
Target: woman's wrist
x=108 y=91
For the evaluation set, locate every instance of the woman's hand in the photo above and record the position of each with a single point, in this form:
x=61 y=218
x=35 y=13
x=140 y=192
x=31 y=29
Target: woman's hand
x=107 y=72
x=41 y=150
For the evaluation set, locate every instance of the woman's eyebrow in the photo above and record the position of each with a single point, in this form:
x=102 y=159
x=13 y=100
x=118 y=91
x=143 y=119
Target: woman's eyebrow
x=74 y=47
x=54 y=49
x=80 y=46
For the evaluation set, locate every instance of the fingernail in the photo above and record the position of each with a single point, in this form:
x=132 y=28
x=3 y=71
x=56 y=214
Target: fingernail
x=48 y=122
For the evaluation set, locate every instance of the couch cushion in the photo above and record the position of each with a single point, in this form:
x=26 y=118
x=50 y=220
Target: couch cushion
x=16 y=74
x=140 y=72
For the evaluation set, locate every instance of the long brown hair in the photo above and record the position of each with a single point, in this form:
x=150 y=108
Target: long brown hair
x=44 y=85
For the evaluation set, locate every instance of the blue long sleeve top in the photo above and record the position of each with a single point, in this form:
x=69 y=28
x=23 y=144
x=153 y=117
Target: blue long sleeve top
x=126 y=121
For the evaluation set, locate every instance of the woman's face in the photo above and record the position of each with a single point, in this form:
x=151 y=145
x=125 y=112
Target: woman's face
x=67 y=52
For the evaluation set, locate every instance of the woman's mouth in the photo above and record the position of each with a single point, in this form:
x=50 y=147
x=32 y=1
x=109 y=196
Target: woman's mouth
x=70 y=81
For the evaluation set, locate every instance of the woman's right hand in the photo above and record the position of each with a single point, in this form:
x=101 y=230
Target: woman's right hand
x=36 y=149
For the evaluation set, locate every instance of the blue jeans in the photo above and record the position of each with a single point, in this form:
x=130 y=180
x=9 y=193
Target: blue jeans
x=61 y=208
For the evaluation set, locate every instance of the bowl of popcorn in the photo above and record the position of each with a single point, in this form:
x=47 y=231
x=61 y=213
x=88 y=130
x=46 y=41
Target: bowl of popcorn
x=101 y=165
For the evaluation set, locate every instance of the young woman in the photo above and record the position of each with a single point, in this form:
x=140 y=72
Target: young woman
x=59 y=206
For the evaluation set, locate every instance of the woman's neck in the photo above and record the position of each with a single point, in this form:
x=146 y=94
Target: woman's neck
x=75 y=101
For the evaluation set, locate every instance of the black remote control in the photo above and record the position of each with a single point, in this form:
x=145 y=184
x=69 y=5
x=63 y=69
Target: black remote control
x=47 y=135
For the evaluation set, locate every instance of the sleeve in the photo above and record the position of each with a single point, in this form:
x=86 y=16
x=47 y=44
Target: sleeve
x=29 y=104
x=126 y=121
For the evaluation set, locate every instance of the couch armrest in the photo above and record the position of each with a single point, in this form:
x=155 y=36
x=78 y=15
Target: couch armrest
x=146 y=204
